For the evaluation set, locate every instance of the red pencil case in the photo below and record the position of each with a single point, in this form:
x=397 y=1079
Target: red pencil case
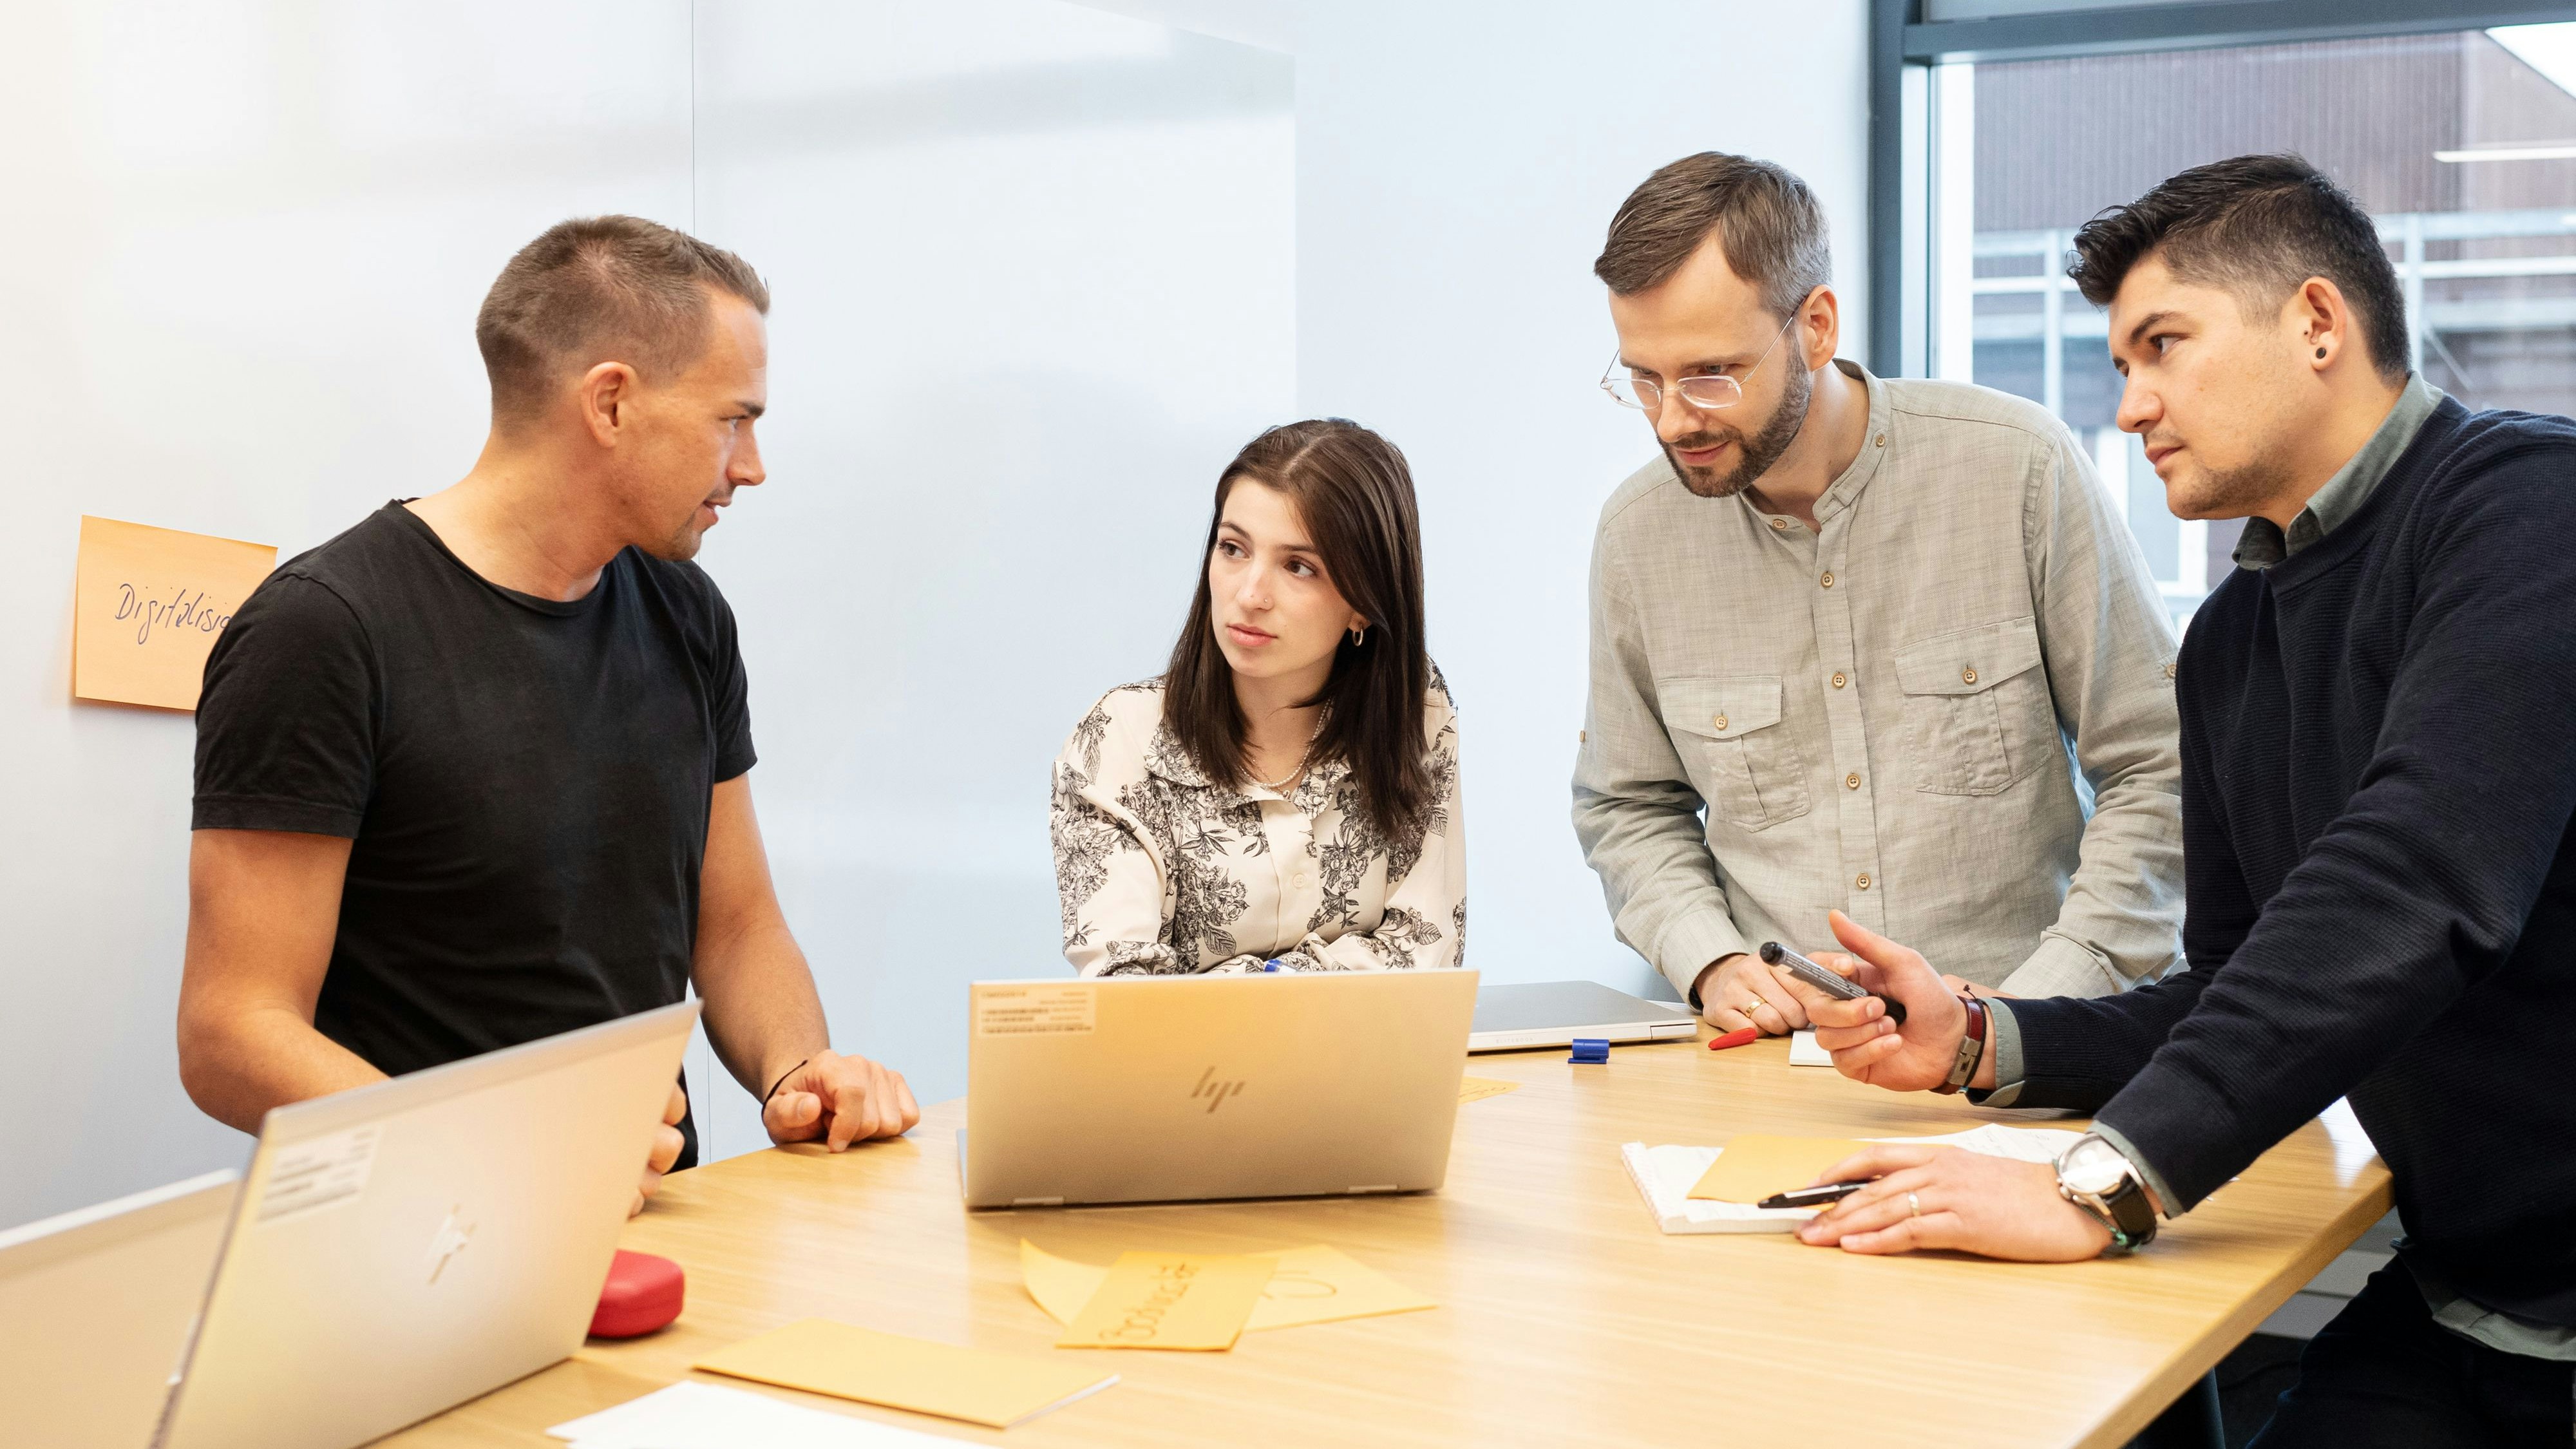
x=643 y=1292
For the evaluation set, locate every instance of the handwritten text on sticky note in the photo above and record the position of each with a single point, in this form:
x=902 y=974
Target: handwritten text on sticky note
x=147 y=606
x=1171 y=1300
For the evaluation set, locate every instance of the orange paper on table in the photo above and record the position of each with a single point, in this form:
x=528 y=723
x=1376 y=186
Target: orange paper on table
x=146 y=607
x=973 y=1384
x=1753 y=1166
x=1171 y=1300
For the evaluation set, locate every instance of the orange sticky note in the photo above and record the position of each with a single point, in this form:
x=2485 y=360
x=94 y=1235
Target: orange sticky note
x=1171 y=1300
x=1316 y=1284
x=1477 y=1089
x=146 y=607
x=973 y=1384
x=1754 y=1166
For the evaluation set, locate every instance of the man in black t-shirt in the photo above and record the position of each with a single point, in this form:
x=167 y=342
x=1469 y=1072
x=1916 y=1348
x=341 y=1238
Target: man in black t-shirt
x=476 y=771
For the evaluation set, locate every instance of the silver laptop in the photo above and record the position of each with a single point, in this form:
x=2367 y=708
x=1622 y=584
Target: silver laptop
x=1554 y=1013
x=1181 y=1088
x=400 y=1248
x=95 y=1307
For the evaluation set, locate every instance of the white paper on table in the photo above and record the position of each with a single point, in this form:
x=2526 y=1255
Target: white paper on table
x=1665 y=1176
x=703 y=1416
x=1803 y=1051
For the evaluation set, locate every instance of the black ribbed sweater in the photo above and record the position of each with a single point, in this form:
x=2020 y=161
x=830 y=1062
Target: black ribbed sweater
x=2379 y=775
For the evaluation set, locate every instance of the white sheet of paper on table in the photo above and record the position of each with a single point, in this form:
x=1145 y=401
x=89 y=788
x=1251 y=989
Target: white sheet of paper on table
x=1803 y=1051
x=703 y=1416
x=1664 y=1176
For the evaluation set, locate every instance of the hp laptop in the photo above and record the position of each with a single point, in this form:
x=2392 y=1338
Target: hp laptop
x=402 y=1247
x=94 y=1308
x=1554 y=1013
x=1178 y=1088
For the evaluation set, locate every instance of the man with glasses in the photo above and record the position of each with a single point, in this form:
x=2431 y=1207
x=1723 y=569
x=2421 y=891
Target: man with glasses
x=1846 y=631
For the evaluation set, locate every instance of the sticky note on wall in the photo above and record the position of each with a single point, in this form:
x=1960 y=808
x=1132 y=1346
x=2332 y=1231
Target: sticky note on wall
x=148 y=605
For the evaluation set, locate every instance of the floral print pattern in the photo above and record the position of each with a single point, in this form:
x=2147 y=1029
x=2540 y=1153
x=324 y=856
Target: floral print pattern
x=1160 y=871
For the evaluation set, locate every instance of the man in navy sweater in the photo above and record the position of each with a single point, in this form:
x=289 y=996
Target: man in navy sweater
x=2379 y=775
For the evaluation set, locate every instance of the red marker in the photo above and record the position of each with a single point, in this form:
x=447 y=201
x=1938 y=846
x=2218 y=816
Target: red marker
x=1735 y=1039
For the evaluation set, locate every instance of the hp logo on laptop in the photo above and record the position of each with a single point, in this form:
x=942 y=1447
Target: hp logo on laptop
x=448 y=1241
x=1215 y=1091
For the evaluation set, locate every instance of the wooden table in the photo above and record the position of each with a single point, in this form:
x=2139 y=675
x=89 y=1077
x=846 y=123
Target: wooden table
x=1565 y=1316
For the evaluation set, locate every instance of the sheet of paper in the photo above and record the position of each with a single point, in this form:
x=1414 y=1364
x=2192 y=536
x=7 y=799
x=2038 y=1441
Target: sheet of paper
x=147 y=604
x=1317 y=1284
x=1803 y=1051
x=1197 y=1301
x=1477 y=1089
x=692 y=1415
x=973 y=1384
x=1754 y=1166
x=1664 y=1176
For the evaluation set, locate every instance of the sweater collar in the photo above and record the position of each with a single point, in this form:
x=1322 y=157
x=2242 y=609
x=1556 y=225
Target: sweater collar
x=2263 y=544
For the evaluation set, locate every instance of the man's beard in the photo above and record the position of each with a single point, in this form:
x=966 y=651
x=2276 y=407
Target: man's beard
x=1757 y=453
x=2234 y=492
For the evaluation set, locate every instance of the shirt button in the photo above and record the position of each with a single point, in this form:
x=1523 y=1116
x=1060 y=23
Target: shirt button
x=1864 y=882
x=1882 y=441
x=2169 y=671
x=1298 y=881
x=1779 y=524
x=1852 y=781
x=1968 y=676
x=1829 y=581
x=1718 y=720
x=1839 y=681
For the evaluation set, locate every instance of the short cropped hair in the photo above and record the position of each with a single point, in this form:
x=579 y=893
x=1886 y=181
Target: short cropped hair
x=2259 y=227
x=598 y=289
x=1769 y=224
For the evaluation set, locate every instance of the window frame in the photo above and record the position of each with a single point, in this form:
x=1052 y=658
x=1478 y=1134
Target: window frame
x=1904 y=47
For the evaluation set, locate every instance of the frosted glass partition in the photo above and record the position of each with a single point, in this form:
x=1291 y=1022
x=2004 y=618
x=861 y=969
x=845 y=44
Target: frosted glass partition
x=1033 y=268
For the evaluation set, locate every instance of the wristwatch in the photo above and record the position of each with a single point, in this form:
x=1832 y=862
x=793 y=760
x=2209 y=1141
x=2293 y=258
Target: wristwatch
x=2099 y=1178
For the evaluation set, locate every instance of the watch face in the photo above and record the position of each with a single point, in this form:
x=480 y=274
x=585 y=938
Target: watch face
x=2093 y=1166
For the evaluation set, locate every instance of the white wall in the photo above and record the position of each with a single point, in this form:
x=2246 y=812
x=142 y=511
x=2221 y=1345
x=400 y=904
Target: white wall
x=247 y=240
x=244 y=245
x=1034 y=280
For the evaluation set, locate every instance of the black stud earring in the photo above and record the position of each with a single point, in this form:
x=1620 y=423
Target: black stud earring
x=2321 y=354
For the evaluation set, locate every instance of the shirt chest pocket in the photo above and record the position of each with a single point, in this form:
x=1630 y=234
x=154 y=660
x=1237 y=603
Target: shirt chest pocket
x=1739 y=755
x=1978 y=717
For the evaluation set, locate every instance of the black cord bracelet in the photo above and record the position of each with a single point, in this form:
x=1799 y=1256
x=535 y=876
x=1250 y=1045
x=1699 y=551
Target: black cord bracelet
x=782 y=1081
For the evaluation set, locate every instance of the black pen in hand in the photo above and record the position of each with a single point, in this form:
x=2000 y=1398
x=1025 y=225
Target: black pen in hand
x=1837 y=986
x=1817 y=1196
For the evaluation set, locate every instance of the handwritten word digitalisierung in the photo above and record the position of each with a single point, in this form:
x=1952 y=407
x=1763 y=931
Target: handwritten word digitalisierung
x=184 y=610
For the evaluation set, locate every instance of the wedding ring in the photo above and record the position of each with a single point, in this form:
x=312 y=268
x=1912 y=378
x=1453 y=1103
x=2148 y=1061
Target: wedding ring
x=1749 y=1008
x=1914 y=1205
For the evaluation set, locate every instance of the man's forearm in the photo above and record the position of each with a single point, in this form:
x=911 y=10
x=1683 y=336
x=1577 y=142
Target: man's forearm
x=239 y=1064
x=762 y=1013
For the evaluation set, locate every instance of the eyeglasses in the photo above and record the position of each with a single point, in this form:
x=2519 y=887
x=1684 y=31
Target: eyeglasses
x=1707 y=392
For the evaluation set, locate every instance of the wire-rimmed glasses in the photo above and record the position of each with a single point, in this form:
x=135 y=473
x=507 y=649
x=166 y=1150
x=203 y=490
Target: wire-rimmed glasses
x=1708 y=391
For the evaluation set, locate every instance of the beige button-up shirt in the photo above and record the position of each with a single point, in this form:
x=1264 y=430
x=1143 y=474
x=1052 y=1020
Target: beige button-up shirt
x=1902 y=715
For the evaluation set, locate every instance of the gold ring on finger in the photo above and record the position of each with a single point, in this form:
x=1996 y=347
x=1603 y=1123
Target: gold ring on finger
x=1913 y=1205
x=1750 y=1007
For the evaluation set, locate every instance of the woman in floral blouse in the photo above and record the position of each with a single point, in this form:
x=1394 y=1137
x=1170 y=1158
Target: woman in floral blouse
x=1286 y=794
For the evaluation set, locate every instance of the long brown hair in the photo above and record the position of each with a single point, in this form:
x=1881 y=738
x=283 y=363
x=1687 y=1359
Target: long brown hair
x=1354 y=493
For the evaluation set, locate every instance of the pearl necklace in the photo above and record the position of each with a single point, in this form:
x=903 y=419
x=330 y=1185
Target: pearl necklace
x=1280 y=785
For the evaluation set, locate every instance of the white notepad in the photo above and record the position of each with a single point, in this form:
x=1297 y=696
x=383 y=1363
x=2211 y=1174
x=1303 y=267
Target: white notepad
x=702 y=1416
x=1665 y=1176
x=1803 y=1051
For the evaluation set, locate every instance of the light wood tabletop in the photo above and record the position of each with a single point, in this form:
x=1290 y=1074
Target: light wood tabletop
x=1564 y=1316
